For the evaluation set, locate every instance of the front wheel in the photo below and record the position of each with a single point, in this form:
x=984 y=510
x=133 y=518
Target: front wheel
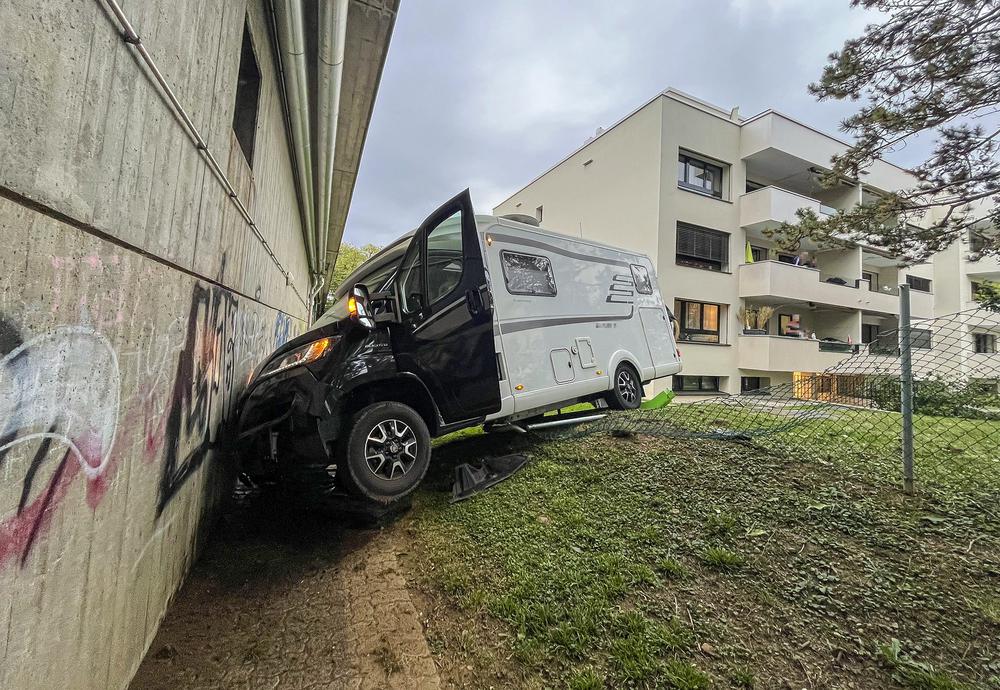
x=626 y=388
x=386 y=453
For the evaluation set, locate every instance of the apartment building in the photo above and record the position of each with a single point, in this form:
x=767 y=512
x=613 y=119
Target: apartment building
x=697 y=188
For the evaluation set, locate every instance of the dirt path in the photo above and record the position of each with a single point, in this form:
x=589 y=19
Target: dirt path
x=292 y=601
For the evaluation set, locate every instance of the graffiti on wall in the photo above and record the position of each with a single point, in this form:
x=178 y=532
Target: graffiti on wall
x=73 y=404
x=59 y=393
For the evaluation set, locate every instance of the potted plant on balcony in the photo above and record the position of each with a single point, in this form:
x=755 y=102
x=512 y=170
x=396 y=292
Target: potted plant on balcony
x=755 y=319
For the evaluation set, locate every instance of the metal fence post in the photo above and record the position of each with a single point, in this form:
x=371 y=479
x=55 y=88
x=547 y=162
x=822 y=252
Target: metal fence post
x=906 y=386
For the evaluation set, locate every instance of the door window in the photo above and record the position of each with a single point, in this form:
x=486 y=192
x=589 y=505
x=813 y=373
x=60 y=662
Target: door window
x=444 y=258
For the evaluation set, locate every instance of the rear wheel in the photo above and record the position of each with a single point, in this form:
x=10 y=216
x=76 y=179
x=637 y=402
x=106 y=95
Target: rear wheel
x=626 y=388
x=386 y=453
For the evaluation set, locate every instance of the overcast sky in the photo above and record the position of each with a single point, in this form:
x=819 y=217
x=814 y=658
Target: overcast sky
x=487 y=95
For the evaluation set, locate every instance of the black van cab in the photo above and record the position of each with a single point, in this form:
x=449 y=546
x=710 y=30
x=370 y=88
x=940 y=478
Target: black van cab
x=406 y=353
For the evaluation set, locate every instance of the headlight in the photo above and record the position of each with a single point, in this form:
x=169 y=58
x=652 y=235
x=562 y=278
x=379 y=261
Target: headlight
x=300 y=355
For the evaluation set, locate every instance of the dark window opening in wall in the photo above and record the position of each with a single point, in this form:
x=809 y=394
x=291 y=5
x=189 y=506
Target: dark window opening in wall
x=247 y=93
x=699 y=321
x=696 y=384
x=702 y=248
x=919 y=284
x=869 y=333
x=986 y=343
x=920 y=338
x=787 y=258
x=538 y=214
x=699 y=176
x=753 y=384
x=977 y=241
x=754 y=186
x=758 y=253
x=872 y=279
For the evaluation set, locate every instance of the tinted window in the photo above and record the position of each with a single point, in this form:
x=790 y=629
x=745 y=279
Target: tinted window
x=917 y=283
x=528 y=274
x=411 y=280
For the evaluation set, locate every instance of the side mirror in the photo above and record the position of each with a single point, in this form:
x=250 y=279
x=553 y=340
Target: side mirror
x=359 y=306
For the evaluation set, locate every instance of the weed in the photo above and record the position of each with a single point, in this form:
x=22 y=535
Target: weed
x=742 y=678
x=916 y=674
x=684 y=676
x=720 y=523
x=587 y=679
x=671 y=568
x=723 y=559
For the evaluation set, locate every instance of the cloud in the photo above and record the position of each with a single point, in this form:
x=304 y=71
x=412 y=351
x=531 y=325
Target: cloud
x=488 y=95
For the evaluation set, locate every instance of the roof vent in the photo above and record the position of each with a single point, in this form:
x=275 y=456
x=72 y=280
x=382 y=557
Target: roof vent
x=522 y=218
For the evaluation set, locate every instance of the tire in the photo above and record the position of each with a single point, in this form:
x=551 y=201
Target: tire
x=379 y=462
x=626 y=388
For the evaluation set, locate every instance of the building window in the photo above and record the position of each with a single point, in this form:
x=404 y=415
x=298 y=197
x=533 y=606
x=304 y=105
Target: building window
x=872 y=279
x=699 y=321
x=247 y=93
x=919 y=284
x=702 y=248
x=699 y=176
x=754 y=186
x=696 y=384
x=527 y=274
x=640 y=276
x=753 y=384
x=538 y=214
x=986 y=343
x=920 y=338
x=758 y=253
x=787 y=258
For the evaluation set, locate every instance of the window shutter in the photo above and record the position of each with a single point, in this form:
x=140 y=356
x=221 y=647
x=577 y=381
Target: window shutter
x=702 y=243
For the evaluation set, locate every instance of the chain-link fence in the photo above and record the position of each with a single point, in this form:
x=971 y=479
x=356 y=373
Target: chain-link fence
x=919 y=405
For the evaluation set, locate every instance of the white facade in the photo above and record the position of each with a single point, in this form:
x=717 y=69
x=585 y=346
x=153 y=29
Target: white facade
x=630 y=186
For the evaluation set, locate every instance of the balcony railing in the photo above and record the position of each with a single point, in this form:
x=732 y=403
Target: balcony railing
x=781 y=353
x=803 y=284
x=768 y=207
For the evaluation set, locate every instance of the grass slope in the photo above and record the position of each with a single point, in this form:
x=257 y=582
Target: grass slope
x=644 y=562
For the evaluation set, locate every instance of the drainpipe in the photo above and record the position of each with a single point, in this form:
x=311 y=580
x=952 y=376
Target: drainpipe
x=329 y=69
x=292 y=45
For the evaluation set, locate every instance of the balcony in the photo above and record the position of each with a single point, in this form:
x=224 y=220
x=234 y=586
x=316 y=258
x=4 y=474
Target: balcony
x=776 y=281
x=767 y=208
x=779 y=353
x=787 y=147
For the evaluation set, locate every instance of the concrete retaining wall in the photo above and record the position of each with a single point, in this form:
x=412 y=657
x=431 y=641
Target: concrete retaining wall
x=134 y=302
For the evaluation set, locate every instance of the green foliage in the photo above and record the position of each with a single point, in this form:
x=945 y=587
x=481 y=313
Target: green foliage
x=723 y=559
x=931 y=67
x=940 y=397
x=915 y=674
x=348 y=259
x=988 y=295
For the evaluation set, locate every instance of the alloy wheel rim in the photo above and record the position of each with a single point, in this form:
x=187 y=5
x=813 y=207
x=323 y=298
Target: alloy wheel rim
x=390 y=449
x=626 y=386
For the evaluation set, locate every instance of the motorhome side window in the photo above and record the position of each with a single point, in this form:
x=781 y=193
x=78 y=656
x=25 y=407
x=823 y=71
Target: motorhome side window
x=641 y=277
x=528 y=274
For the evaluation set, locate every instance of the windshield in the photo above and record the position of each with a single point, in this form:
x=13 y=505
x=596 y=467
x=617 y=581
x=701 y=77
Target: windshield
x=375 y=274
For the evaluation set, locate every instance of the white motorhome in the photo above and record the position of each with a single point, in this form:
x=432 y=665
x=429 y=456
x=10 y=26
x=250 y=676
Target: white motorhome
x=468 y=320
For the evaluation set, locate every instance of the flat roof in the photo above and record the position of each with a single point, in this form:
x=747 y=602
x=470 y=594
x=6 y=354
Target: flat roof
x=698 y=104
